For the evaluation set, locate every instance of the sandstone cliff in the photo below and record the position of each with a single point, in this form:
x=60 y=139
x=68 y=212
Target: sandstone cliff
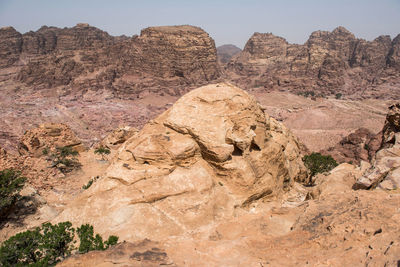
x=85 y=57
x=327 y=64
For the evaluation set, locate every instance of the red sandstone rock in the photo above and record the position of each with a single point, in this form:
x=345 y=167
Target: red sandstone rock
x=327 y=64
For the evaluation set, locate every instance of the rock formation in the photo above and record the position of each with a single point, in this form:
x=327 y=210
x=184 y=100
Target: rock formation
x=48 y=136
x=341 y=227
x=85 y=57
x=118 y=136
x=385 y=169
x=212 y=152
x=226 y=52
x=328 y=63
x=32 y=160
x=359 y=145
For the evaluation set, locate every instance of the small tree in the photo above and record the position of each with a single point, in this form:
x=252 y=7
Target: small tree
x=102 y=151
x=65 y=159
x=11 y=183
x=338 y=96
x=318 y=163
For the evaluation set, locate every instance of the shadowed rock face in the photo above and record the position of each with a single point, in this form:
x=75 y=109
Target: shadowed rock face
x=328 y=63
x=85 y=57
x=385 y=170
x=212 y=152
x=362 y=144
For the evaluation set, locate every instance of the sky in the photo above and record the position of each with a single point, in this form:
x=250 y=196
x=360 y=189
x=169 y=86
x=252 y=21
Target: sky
x=227 y=21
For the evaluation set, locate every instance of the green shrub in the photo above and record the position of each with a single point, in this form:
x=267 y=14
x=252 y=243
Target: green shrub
x=11 y=183
x=49 y=244
x=40 y=247
x=65 y=159
x=102 y=151
x=45 y=151
x=89 y=242
x=317 y=163
x=338 y=96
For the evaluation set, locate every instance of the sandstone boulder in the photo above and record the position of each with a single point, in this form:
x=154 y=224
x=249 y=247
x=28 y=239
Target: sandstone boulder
x=212 y=152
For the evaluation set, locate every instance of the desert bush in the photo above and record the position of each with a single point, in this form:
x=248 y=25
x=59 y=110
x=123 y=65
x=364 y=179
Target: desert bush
x=338 y=96
x=102 y=151
x=43 y=246
x=89 y=241
x=11 y=183
x=49 y=244
x=65 y=159
x=89 y=184
x=317 y=163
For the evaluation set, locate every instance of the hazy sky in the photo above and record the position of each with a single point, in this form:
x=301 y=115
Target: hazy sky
x=227 y=21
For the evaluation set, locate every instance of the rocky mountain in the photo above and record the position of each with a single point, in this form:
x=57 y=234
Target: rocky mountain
x=85 y=57
x=226 y=52
x=95 y=82
x=329 y=63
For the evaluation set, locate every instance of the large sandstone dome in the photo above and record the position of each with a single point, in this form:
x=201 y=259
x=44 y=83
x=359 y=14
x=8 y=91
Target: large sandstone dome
x=211 y=154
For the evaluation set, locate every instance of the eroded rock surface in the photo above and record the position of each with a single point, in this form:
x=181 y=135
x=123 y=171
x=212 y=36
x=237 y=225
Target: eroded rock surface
x=212 y=152
x=85 y=57
x=385 y=170
x=48 y=137
x=359 y=145
x=329 y=63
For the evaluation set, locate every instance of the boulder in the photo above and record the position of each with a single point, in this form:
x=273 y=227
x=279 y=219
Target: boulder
x=214 y=151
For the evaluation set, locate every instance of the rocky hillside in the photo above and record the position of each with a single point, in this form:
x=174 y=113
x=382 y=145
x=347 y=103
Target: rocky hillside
x=84 y=57
x=226 y=52
x=329 y=63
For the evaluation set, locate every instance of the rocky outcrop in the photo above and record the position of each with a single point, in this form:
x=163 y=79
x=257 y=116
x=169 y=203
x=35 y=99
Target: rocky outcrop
x=385 y=170
x=48 y=136
x=118 y=136
x=85 y=57
x=391 y=127
x=341 y=227
x=359 y=145
x=327 y=64
x=226 y=52
x=214 y=151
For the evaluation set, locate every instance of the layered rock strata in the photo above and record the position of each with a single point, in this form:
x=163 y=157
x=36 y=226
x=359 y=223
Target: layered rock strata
x=85 y=57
